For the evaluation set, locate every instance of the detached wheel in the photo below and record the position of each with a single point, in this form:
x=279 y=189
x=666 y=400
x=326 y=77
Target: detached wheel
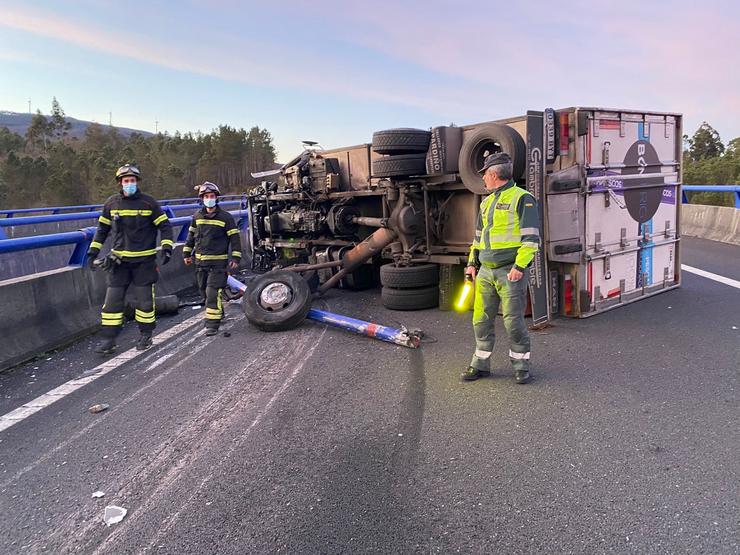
x=485 y=140
x=401 y=141
x=277 y=301
x=410 y=299
x=407 y=277
x=401 y=165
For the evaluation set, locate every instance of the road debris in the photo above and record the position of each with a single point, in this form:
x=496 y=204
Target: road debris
x=98 y=494
x=100 y=407
x=114 y=514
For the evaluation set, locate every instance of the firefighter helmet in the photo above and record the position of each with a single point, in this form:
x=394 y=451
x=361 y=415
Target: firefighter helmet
x=207 y=187
x=127 y=170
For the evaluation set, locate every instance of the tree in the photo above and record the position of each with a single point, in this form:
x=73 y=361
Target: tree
x=705 y=143
x=38 y=132
x=59 y=125
x=9 y=141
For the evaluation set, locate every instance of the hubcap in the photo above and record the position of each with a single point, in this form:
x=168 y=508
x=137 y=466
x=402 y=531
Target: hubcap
x=275 y=296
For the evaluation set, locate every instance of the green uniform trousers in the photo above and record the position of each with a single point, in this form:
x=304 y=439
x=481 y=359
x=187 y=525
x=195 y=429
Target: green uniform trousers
x=493 y=289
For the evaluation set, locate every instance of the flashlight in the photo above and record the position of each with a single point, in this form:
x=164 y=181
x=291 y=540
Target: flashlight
x=467 y=288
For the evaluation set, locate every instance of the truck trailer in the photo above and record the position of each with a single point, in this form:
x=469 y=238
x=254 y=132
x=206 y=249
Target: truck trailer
x=403 y=208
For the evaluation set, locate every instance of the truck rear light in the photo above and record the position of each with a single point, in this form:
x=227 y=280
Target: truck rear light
x=564 y=135
x=567 y=294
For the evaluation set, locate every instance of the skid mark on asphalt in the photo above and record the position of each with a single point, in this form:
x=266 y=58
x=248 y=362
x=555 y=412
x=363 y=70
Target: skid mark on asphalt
x=199 y=434
x=31 y=407
x=709 y=275
x=108 y=414
x=84 y=515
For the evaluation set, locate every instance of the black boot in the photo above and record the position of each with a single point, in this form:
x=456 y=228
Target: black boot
x=522 y=376
x=472 y=374
x=144 y=342
x=211 y=331
x=106 y=346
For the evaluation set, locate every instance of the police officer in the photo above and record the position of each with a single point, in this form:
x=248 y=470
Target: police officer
x=212 y=231
x=507 y=237
x=133 y=219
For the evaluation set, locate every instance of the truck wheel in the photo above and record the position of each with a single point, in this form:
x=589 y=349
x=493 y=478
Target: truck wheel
x=401 y=141
x=489 y=139
x=401 y=165
x=276 y=301
x=407 y=277
x=410 y=299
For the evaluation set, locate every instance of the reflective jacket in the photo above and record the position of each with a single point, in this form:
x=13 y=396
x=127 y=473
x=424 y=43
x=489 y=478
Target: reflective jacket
x=135 y=221
x=507 y=230
x=210 y=236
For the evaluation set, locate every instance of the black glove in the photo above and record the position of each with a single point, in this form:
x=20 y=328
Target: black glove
x=166 y=255
x=91 y=255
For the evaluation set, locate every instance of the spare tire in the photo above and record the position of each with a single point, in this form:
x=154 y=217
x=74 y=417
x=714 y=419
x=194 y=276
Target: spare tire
x=276 y=301
x=401 y=141
x=410 y=299
x=401 y=165
x=406 y=277
x=489 y=139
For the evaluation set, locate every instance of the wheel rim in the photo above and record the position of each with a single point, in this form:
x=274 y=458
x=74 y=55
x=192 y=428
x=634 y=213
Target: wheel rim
x=276 y=296
x=484 y=149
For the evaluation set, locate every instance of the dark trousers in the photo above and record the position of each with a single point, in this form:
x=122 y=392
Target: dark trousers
x=142 y=276
x=211 y=281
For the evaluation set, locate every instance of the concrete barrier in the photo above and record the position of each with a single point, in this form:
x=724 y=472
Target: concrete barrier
x=717 y=223
x=47 y=310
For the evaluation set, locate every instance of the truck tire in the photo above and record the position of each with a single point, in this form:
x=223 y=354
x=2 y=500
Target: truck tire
x=284 y=304
x=485 y=140
x=401 y=141
x=410 y=299
x=407 y=277
x=401 y=165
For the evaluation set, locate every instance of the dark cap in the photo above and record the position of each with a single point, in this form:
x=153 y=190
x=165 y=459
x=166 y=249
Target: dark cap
x=495 y=160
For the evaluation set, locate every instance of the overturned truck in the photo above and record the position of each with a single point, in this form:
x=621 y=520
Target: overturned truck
x=403 y=209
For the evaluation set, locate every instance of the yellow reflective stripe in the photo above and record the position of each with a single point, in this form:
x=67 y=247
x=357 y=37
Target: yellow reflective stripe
x=143 y=320
x=232 y=232
x=166 y=242
x=211 y=222
x=144 y=314
x=213 y=317
x=135 y=253
x=131 y=212
x=96 y=245
x=187 y=249
x=236 y=254
x=160 y=219
x=104 y=220
x=211 y=256
x=111 y=318
x=213 y=311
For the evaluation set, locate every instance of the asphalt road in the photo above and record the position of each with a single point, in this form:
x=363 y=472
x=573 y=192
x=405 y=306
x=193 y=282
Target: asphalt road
x=320 y=441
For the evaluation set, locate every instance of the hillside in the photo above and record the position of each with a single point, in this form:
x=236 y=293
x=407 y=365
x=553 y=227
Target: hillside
x=19 y=123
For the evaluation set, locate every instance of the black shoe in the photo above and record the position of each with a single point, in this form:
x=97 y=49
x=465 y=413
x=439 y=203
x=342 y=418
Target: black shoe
x=211 y=331
x=522 y=377
x=106 y=346
x=144 y=342
x=472 y=374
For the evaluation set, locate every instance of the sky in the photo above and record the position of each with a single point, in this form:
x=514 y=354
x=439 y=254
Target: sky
x=334 y=71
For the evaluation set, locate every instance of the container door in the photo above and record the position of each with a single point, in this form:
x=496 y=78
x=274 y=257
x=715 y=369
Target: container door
x=631 y=206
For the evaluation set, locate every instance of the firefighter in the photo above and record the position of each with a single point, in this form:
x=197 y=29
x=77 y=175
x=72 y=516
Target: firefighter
x=133 y=220
x=507 y=237
x=211 y=233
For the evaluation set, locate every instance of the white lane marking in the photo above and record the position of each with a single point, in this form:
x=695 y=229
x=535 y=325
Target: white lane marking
x=35 y=405
x=709 y=275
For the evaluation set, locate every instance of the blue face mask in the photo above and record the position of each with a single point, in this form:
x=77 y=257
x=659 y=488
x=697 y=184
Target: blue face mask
x=209 y=202
x=129 y=189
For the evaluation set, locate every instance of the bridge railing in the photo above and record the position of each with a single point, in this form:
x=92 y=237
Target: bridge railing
x=83 y=237
x=10 y=212
x=712 y=189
